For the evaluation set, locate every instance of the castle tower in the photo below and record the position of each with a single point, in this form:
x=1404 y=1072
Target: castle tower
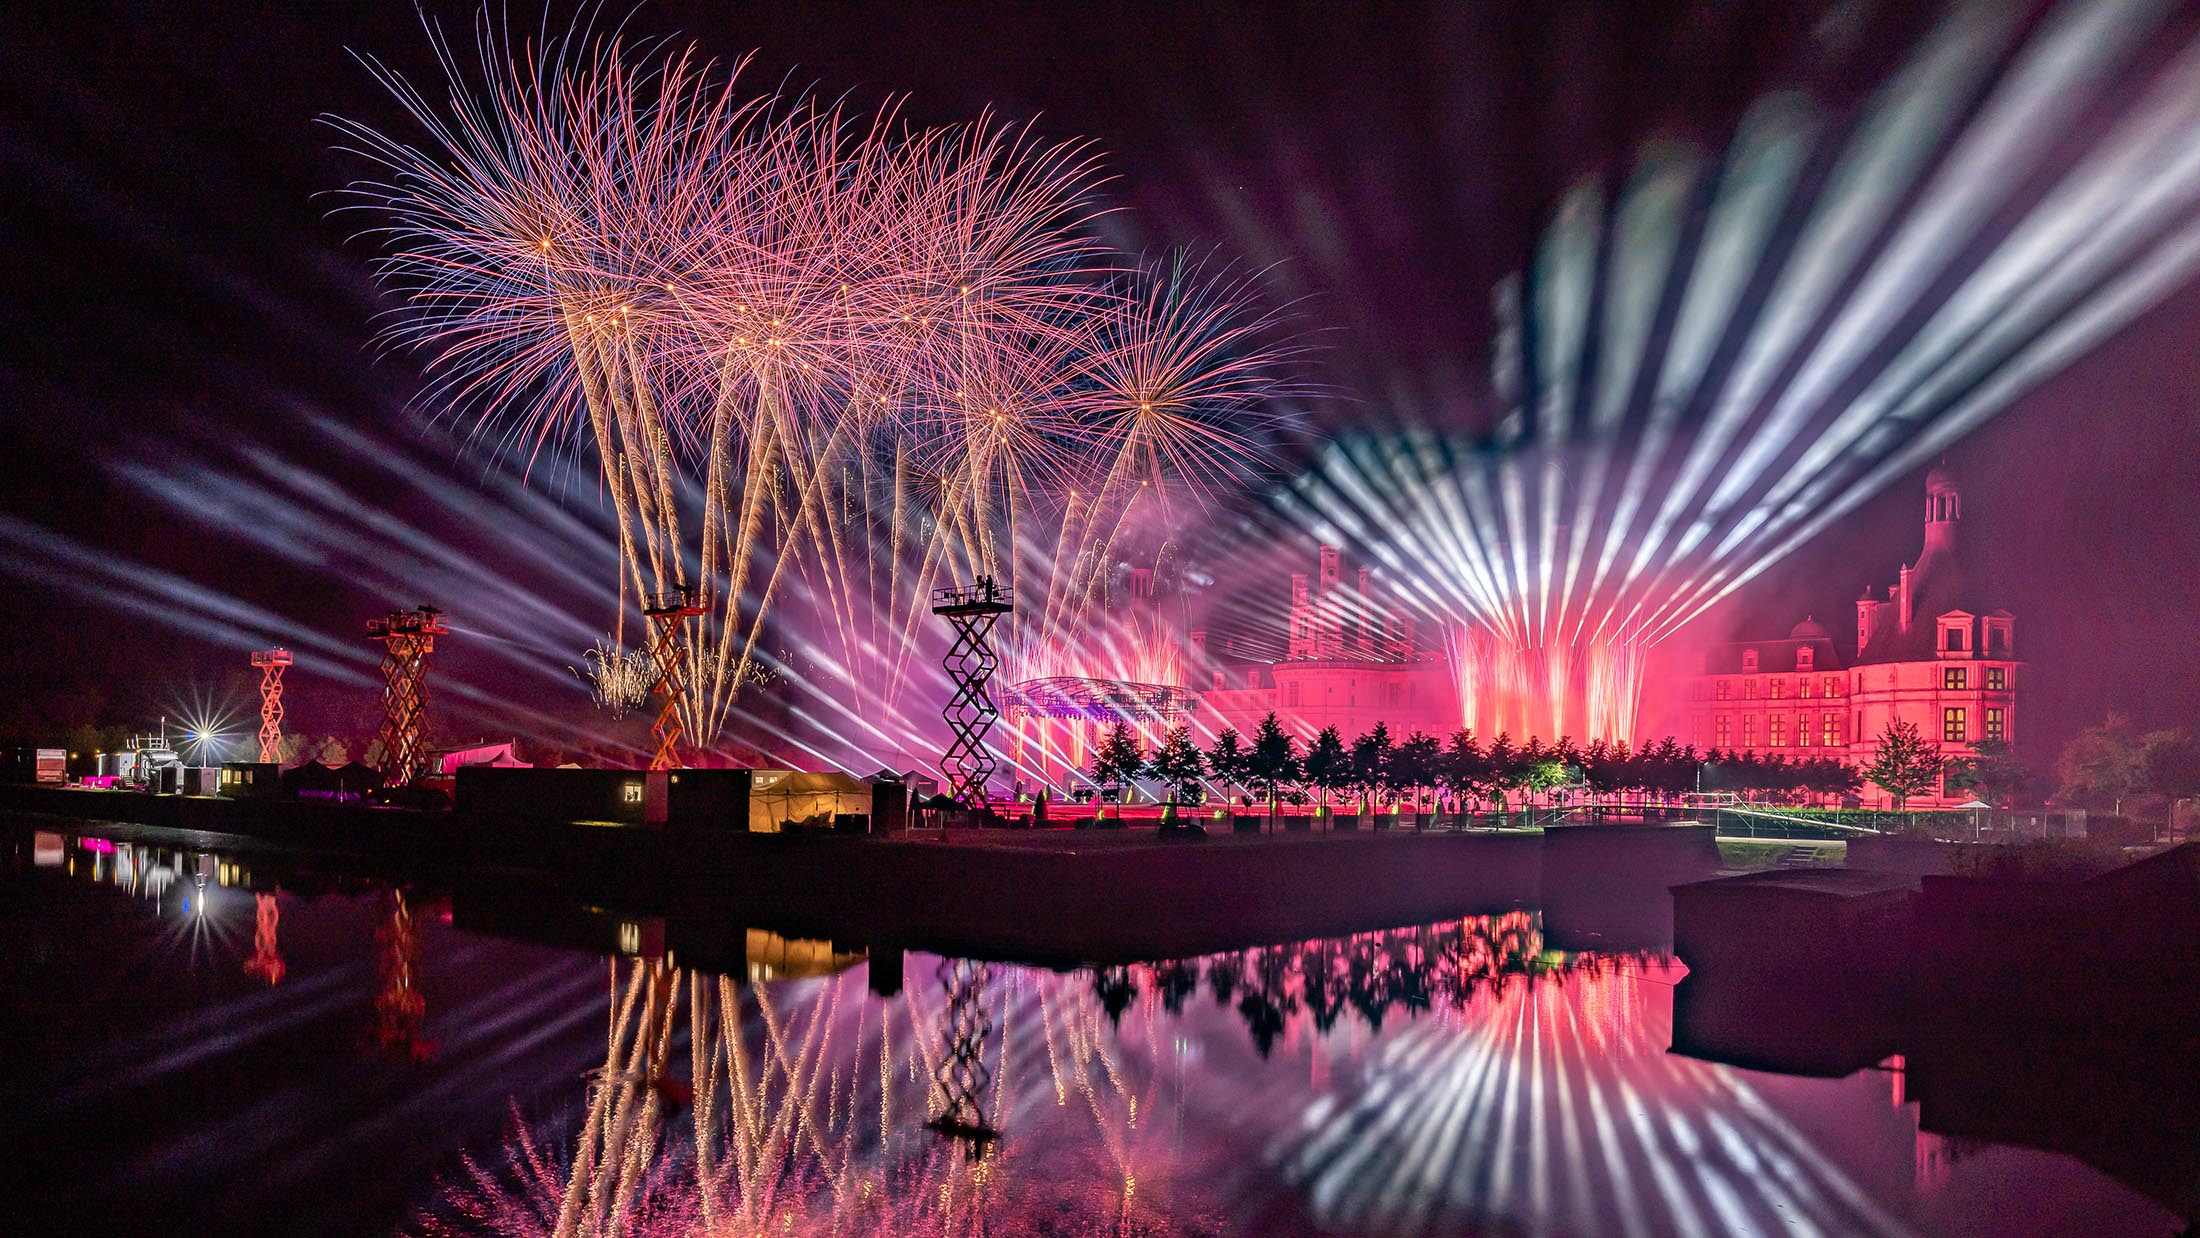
x=1302 y=618
x=1943 y=511
x=1867 y=617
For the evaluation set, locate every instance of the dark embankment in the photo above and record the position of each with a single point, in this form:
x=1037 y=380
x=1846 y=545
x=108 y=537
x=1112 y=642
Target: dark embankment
x=1064 y=899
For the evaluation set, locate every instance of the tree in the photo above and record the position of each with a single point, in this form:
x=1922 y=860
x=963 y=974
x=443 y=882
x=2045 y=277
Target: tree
x=2102 y=766
x=1622 y=771
x=1843 y=779
x=1542 y=774
x=1903 y=764
x=1178 y=764
x=1567 y=752
x=1371 y=763
x=1118 y=759
x=1226 y=758
x=1327 y=766
x=1416 y=765
x=2170 y=763
x=1465 y=769
x=1272 y=762
x=1673 y=769
x=1503 y=762
x=1991 y=773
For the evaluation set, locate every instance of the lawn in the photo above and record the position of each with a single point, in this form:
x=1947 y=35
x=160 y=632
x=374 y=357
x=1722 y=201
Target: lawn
x=1751 y=855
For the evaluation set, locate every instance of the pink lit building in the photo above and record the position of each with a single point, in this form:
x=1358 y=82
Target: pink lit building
x=1932 y=650
x=1352 y=659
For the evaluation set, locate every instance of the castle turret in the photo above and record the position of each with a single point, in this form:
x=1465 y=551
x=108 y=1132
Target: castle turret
x=1943 y=511
x=1302 y=618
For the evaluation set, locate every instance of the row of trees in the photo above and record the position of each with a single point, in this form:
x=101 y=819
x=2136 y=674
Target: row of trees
x=1421 y=770
x=2119 y=768
x=2113 y=767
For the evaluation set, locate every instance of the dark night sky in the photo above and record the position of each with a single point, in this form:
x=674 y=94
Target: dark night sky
x=174 y=290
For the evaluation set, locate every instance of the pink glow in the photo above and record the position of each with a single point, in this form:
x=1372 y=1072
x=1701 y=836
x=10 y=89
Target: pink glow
x=1591 y=690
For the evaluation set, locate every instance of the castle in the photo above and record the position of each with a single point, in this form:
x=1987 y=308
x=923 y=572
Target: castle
x=1352 y=659
x=1932 y=651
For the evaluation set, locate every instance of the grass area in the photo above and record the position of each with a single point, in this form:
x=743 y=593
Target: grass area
x=1751 y=855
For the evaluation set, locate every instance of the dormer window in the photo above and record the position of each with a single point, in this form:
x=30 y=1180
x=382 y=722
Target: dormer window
x=1804 y=657
x=1749 y=661
x=1955 y=634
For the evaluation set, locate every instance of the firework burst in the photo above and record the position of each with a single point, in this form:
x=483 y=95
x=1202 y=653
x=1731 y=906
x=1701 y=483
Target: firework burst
x=821 y=357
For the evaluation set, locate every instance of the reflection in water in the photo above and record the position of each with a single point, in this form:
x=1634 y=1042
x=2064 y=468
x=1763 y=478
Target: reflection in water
x=267 y=958
x=828 y=1110
x=669 y=1075
x=1413 y=970
x=1522 y=1087
x=204 y=931
x=1560 y=1107
x=960 y=1077
x=398 y=1004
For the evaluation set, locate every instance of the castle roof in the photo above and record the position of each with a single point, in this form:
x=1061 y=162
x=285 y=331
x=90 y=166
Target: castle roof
x=1945 y=579
x=1774 y=657
x=1809 y=629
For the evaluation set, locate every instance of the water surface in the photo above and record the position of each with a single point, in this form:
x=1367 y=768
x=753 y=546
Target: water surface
x=197 y=1047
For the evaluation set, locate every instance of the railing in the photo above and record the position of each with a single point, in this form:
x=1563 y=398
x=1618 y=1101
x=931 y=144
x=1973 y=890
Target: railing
x=984 y=596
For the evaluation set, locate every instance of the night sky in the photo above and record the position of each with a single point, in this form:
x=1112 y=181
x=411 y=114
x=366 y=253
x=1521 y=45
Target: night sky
x=179 y=305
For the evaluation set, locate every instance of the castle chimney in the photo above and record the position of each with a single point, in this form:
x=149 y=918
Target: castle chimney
x=1867 y=615
x=1903 y=599
x=1199 y=643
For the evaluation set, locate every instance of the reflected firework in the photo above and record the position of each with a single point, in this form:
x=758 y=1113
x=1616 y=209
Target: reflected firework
x=1484 y=1076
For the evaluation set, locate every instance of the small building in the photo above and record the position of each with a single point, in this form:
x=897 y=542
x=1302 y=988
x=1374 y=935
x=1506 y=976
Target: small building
x=251 y=779
x=619 y=796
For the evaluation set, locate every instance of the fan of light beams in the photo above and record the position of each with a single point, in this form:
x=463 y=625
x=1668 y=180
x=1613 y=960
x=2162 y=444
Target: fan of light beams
x=1716 y=354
